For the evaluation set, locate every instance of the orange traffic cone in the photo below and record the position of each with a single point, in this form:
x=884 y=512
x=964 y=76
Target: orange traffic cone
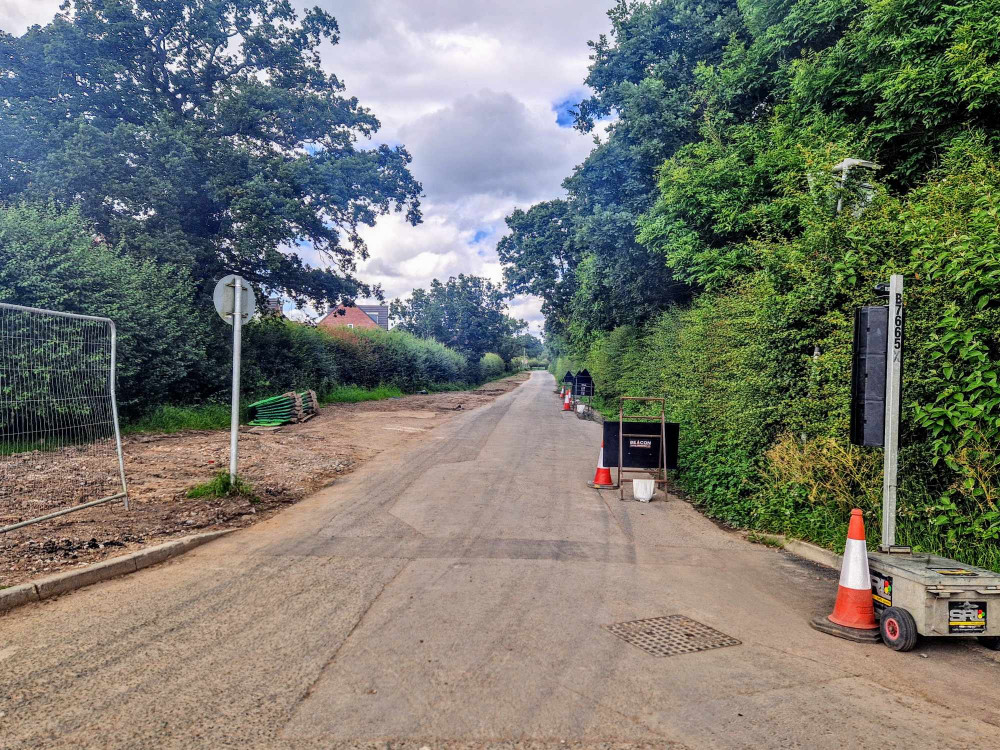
x=566 y=404
x=854 y=608
x=854 y=614
x=602 y=477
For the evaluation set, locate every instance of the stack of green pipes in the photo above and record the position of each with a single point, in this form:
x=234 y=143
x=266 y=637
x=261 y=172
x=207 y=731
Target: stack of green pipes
x=275 y=411
x=310 y=404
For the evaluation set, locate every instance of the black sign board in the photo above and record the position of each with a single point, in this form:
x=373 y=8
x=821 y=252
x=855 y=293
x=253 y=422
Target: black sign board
x=641 y=444
x=583 y=384
x=569 y=377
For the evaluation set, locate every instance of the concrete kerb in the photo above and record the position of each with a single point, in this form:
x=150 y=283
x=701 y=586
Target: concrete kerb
x=814 y=554
x=805 y=550
x=829 y=559
x=62 y=583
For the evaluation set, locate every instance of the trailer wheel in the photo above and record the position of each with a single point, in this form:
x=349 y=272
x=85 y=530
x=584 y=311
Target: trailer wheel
x=899 y=631
x=990 y=641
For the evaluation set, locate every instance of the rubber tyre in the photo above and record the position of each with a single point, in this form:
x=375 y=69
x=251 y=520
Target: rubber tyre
x=990 y=641
x=899 y=631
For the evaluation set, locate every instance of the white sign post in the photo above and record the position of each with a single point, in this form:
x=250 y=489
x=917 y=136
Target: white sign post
x=893 y=393
x=235 y=303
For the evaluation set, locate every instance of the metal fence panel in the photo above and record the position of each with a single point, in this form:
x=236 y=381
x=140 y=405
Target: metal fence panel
x=60 y=442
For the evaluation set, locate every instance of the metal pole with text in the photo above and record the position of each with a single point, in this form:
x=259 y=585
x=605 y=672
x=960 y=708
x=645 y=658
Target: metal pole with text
x=234 y=423
x=893 y=393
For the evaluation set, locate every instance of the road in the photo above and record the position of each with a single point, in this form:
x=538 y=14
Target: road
x=455 y=594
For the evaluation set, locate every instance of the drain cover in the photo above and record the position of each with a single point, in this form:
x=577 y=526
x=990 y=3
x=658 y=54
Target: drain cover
x=671 y=635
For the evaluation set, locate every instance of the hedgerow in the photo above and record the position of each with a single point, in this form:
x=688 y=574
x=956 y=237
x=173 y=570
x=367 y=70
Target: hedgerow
x=729 y=119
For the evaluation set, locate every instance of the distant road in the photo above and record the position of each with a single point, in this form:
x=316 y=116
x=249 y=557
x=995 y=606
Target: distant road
x=454 y=594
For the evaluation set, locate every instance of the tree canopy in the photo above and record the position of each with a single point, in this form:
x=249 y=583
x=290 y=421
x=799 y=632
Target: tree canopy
x=466 y=313
x=203 y=133
x=716 y=258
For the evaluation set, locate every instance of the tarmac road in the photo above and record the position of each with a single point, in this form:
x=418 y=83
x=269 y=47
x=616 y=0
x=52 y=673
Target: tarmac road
x=454 y=595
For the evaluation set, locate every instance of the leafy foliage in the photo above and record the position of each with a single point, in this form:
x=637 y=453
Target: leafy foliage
x=778 y=252
x=50 y=259
x=540 y=257
x=491 y=366
x=468 y=314
x=281 y=356
x=203 y=134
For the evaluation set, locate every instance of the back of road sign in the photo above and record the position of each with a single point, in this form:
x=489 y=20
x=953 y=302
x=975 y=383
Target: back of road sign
x=225 y=299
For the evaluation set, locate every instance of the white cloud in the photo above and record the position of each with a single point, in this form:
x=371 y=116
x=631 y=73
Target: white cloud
x=468 y=86
x=17 y=15
x=490 y=143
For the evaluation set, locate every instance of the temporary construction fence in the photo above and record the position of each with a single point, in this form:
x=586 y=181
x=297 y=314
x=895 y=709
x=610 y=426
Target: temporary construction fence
x=60 y=443
x=284 y=409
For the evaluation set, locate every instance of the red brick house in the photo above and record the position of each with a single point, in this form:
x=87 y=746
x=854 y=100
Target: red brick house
x=348 y=317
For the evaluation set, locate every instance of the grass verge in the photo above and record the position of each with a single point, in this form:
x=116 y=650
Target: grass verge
x=178 y=418
x=221 y=486
x=352 y=394
x=755 y=537
x=167 y=419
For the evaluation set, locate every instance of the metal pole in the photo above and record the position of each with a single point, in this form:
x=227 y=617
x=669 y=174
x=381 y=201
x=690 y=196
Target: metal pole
x=621 y=448
x=234 y=422
x=843 y=186
x=63 y=512
x=893 y=393
x=114 y=409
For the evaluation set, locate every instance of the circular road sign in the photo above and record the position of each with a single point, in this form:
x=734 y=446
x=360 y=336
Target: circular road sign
x=225 y=299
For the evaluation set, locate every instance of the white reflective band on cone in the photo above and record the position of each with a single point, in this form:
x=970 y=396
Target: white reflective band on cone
x=854 y=574
x=600 y=461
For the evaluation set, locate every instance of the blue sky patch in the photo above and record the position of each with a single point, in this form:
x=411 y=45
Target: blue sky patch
x=563 y=109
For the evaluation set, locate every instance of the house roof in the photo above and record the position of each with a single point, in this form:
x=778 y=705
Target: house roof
x=380 y=311
x=352 y=317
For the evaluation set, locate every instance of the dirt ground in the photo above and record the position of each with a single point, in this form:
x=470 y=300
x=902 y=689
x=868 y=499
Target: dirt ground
x=283 y=466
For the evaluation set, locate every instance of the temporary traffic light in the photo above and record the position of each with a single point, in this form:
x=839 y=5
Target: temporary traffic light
x=871 y=347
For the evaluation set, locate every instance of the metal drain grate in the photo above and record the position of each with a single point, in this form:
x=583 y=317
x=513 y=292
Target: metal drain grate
x=671 y=635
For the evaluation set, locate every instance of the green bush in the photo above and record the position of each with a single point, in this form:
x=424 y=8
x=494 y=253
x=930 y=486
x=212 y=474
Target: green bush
x=280 y=355
x=491 y=366
x=353 y=394
x=52 y=260
x=758 y=372
x=222 y=485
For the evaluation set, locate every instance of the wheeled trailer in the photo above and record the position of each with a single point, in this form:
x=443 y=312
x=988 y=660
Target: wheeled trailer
x=917 y=594
x=913 y=594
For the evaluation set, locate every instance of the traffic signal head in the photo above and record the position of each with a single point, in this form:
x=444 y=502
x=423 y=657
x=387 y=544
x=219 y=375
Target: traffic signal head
x=871 y=347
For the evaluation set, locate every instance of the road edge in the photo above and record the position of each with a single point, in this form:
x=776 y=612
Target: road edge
x=814 y=553
x=61 y=583
x=806 y=550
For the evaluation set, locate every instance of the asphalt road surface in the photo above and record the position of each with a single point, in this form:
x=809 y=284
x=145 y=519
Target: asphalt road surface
x=456 y=594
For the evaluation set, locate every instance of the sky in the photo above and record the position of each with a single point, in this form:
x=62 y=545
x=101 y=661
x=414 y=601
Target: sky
x=479 y=92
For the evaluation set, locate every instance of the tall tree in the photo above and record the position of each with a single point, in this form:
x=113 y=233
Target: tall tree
x=467 y=313
x=540 y=257
x=201 y=132
x=644 y=75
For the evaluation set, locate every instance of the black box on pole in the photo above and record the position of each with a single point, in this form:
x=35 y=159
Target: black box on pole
x=871 y=348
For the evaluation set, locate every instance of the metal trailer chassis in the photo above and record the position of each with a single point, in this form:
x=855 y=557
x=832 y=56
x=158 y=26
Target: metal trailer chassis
x=933 y=596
